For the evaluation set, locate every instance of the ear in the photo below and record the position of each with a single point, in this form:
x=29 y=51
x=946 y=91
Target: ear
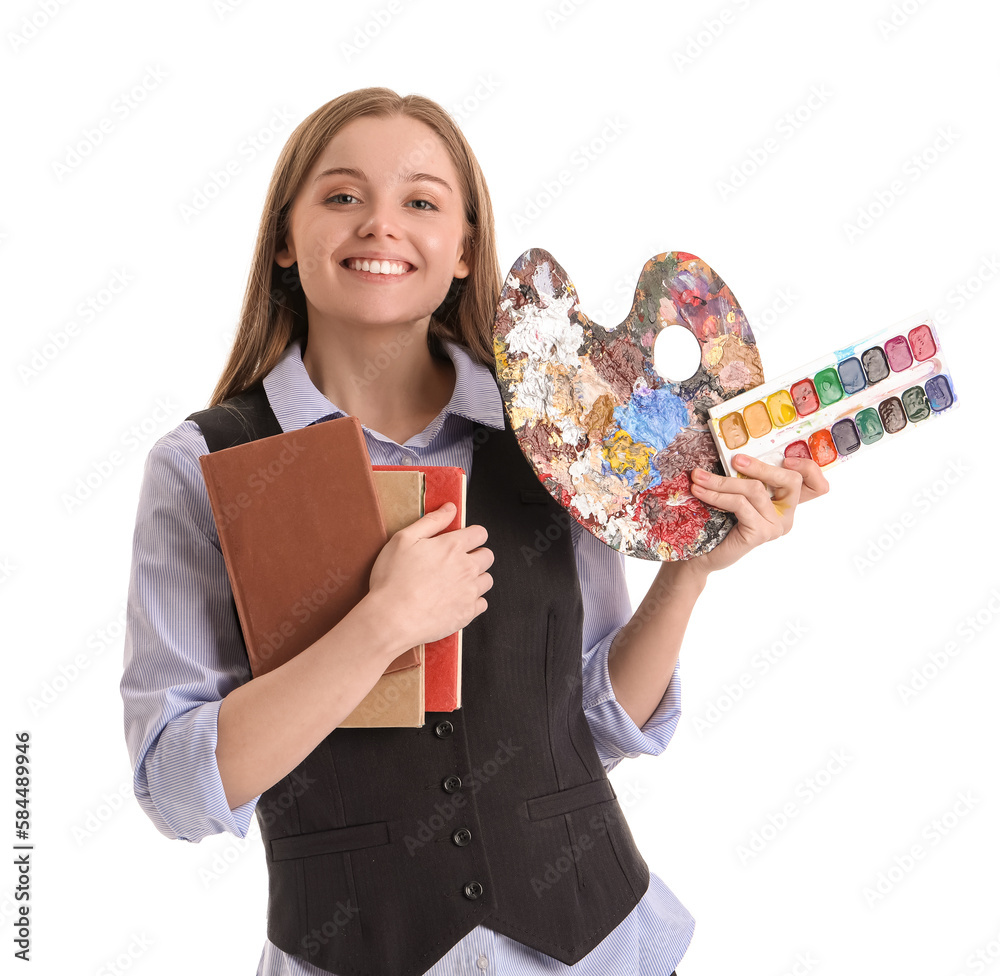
x=463 y=264
x=285 y=254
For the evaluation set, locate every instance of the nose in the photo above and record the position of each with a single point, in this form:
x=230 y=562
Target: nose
x=379 y=219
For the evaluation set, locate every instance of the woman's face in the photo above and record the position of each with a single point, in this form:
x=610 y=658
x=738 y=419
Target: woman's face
x=383 y=195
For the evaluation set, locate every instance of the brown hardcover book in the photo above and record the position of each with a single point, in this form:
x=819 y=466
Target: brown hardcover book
x=300 y=528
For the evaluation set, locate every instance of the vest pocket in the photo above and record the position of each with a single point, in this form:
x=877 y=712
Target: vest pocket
x=566 y=801
x=330 y=841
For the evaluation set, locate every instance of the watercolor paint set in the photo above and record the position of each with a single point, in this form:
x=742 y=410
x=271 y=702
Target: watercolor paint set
x=841 y=404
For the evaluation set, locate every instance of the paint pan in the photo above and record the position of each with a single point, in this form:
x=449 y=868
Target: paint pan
x=839 y=405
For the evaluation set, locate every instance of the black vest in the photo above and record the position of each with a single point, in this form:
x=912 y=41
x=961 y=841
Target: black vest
x=385 y=847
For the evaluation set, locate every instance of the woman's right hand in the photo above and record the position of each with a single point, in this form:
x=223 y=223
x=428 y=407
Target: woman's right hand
x=433 y=581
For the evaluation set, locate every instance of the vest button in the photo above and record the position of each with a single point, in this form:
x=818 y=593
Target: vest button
x=443 y=729
x=462 y=836
x=473 y=890
x=451 y=783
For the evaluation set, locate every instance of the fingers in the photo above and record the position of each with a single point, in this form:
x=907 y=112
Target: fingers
x=784 y=480
x=747 y=498
x=435 y=522
x=814 y=482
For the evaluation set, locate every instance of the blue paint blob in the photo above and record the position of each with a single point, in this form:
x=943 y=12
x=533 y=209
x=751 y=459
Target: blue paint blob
x=653 y=417
x=939 y=393
x=852 y=375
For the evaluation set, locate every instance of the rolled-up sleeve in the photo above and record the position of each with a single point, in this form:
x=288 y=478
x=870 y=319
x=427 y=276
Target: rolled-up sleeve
x=183 y=649
x=606 y=609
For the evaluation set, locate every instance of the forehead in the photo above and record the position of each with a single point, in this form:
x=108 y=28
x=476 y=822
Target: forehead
x=387 y=148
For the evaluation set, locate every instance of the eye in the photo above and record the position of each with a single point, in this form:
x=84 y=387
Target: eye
x=423 y=205
x=341 y=198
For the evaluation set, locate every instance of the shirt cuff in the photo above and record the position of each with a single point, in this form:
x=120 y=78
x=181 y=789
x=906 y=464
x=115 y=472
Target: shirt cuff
x=182 y=792
x=616 y=736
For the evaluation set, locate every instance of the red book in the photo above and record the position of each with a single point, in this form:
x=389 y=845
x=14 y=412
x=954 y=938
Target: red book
x=442 y=658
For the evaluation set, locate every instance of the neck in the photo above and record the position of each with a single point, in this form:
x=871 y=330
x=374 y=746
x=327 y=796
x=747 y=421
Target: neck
x=386 y=377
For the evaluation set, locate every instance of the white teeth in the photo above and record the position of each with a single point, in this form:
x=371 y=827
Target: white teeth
x=378 y=267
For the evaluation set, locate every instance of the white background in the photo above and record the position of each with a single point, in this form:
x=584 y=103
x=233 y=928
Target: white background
x=650 y=109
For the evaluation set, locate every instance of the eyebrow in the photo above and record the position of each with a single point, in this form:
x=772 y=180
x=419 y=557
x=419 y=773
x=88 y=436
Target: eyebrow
x=405 y=178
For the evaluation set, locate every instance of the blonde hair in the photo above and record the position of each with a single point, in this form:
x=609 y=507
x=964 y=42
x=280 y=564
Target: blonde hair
x=274 y=308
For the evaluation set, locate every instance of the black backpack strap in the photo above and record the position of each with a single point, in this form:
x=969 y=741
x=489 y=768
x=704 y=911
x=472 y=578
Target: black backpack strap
x=238 y=420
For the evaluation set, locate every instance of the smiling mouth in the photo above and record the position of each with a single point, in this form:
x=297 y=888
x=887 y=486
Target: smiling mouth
x=396 y=268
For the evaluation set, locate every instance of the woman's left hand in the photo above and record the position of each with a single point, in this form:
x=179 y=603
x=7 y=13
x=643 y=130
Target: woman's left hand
x=761 y=518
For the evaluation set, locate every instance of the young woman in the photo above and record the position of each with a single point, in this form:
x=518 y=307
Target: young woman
x=490 y=839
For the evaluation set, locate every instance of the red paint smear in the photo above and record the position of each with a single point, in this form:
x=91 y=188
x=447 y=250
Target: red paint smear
x=684 y=256
x=677 y=525
x=557 y=491
x=689 y=297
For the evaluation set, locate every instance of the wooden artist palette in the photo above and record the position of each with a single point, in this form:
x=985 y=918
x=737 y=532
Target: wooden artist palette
x=612 y=439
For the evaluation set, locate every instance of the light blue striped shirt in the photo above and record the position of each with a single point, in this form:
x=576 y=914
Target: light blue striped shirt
x=184 y=654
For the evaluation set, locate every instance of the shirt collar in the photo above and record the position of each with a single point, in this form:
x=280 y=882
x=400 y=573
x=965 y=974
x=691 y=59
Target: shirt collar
x=296 y=402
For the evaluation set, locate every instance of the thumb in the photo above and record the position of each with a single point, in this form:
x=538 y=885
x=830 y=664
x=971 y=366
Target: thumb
x=433 y=522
